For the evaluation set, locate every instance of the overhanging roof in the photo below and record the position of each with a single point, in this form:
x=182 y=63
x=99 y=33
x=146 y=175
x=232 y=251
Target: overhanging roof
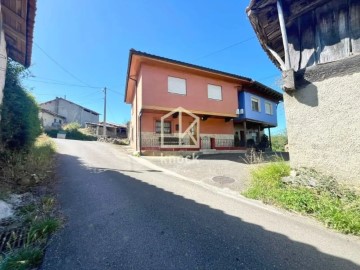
x=264 y=19
x=18 y=22
x=249 y=82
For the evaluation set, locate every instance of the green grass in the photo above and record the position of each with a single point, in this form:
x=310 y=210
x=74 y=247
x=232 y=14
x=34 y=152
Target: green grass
x=21 y=259
x=41 y=229
x=336 y=206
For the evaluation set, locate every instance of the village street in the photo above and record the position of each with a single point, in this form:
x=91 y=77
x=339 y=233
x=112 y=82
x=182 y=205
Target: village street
x=120 y=214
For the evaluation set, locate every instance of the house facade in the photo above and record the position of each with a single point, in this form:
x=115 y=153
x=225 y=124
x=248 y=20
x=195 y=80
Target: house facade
x=51 y=120
x=71 y=111
x=317 y=47
x=168 y=96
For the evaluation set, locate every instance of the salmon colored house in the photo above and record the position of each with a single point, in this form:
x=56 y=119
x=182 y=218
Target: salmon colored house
x=230 y=109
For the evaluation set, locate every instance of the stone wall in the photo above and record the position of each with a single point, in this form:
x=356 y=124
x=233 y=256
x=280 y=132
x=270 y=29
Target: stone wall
x=323 y=121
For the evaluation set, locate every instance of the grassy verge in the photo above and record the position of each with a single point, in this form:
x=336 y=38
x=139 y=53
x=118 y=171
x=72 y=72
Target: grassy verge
x=19 y=170
x=336 y=206
x=73 y=132
x=36 y=220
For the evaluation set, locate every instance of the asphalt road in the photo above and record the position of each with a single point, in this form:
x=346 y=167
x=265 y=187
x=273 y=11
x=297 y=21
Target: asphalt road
x=121 y=214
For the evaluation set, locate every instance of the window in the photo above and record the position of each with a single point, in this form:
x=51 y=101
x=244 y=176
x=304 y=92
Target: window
x=268 y=108
x=167 y=127
x=214 y=92
x=255 y=104
x=176 y=86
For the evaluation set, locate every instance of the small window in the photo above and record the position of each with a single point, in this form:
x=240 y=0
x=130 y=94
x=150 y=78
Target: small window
x=54 y=120
x=214 y=92
x=176 y=86
x=60 y=122
x=255 y=104
x=167 y=127
x=268 y=108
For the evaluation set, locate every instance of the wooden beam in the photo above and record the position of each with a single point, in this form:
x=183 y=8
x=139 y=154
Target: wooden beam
x=284 y=34
x=14 y=32
x=13 y=14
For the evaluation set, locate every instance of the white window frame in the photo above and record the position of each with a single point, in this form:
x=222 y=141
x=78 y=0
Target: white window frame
x=259 y=104
x=271 y=108
x=176 y=85
x=212 y=88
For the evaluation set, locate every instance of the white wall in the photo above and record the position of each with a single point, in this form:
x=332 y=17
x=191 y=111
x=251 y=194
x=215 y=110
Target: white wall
x=323 y=121
x=47 y=119
x=72 y=112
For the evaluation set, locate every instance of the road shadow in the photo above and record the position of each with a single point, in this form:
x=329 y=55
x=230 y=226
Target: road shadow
x=115 y=221
x=243 y=158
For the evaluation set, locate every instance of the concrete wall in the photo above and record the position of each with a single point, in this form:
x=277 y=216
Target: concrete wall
x=3 y=57
x=323 y=120
x=74 y=113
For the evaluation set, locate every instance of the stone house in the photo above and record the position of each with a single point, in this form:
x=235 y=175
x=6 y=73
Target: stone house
x=71 y=111
x=316 y=44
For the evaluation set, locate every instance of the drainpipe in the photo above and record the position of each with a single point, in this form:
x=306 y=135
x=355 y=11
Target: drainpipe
x=140 y=117
x=136 y=111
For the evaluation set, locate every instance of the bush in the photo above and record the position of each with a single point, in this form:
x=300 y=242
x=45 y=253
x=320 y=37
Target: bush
x=20 y=124
x=279 y=141
x=73 y=132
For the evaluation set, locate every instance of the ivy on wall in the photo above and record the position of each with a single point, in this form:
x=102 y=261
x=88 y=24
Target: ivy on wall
x=19 y=124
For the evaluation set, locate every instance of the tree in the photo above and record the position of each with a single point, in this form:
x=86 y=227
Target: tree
x=279 y=141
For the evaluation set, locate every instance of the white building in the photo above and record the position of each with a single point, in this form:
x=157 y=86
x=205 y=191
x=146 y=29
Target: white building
x=51 y=120
x=71 y=111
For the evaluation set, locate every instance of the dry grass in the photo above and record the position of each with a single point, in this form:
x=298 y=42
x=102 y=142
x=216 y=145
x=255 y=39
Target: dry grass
x=23 y=169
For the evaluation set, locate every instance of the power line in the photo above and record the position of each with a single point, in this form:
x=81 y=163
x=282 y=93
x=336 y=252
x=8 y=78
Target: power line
x=63 y=83
x=225 y=48
x=58 y=64
x=116 y=92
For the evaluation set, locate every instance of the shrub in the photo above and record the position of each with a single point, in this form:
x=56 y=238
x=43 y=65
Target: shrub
x=73 y=132
x=20 y=124
x=279 y=141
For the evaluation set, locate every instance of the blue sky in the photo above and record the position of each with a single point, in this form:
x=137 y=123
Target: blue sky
x=91 y=39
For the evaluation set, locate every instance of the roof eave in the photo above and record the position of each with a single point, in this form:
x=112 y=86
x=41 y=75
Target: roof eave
x=30 y=23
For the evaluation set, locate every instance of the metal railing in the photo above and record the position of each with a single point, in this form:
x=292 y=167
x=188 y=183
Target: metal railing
x=224 y=142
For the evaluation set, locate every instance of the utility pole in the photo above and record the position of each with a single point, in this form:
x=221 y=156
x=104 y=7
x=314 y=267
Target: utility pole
x=104 y=127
